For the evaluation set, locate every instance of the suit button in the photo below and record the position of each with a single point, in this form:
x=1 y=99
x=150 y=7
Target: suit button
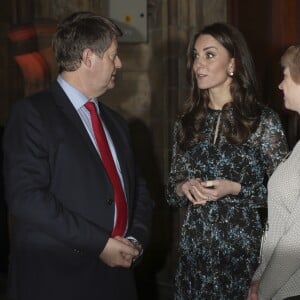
x=109 y=201
x=76 y=251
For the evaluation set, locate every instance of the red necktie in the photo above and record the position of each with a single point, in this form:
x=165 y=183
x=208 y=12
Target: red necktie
x=109 y=164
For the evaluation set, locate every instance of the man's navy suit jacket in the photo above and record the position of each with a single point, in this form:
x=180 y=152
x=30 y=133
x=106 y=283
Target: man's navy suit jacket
x=61 y=201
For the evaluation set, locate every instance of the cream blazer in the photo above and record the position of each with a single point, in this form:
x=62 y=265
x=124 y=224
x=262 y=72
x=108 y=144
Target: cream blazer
x=279 y=272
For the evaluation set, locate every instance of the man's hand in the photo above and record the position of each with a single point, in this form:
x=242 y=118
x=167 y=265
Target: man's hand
x=129 y=242
x=118 y=252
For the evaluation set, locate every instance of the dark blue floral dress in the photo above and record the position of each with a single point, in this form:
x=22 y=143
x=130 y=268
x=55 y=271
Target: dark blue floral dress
x=220 y=242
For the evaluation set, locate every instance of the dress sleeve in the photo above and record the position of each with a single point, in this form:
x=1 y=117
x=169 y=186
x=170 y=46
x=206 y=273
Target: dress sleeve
x=273 y=141
x=270 y=138
x=178 y=172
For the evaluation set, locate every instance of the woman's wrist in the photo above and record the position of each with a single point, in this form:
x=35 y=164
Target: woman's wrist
x=178 y=189
x=236 y=188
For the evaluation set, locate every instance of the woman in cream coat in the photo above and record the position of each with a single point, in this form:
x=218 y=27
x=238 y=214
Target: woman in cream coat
x=278 y=276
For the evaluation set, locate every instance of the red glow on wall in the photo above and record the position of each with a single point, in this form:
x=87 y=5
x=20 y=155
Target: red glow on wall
x=35 y=71
x=22 y=33
x=33 y=65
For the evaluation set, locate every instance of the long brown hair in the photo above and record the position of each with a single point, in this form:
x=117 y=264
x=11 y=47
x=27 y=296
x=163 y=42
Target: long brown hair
x=241 y=116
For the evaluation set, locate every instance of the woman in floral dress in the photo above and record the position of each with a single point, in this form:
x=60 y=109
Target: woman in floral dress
x=226 y=144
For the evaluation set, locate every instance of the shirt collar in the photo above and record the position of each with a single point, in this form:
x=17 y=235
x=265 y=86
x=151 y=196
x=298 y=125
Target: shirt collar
x=75 y=96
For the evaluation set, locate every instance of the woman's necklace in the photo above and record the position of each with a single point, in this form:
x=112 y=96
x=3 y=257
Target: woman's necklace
x=214 y=107
x=217 y=129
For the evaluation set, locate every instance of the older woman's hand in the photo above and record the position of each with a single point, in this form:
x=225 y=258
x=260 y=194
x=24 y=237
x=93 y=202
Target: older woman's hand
x=252 y=294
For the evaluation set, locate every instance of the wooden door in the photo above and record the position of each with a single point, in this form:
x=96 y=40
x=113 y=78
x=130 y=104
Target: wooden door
x=269 y=27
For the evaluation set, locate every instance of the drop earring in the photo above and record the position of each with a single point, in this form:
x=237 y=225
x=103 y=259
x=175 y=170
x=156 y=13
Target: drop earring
x=231 y=74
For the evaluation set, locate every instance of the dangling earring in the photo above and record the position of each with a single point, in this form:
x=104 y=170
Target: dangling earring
x=231 y=74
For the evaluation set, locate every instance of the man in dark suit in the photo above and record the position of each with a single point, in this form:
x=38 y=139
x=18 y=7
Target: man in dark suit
x=81 y=211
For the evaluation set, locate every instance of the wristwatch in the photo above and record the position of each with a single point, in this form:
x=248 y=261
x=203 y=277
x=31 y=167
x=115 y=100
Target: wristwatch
x=136 y=244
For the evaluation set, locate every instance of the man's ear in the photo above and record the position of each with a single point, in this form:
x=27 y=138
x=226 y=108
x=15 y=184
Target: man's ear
x=87 y=57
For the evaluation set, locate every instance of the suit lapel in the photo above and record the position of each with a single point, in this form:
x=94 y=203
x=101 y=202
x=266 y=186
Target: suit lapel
x=68 y=109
